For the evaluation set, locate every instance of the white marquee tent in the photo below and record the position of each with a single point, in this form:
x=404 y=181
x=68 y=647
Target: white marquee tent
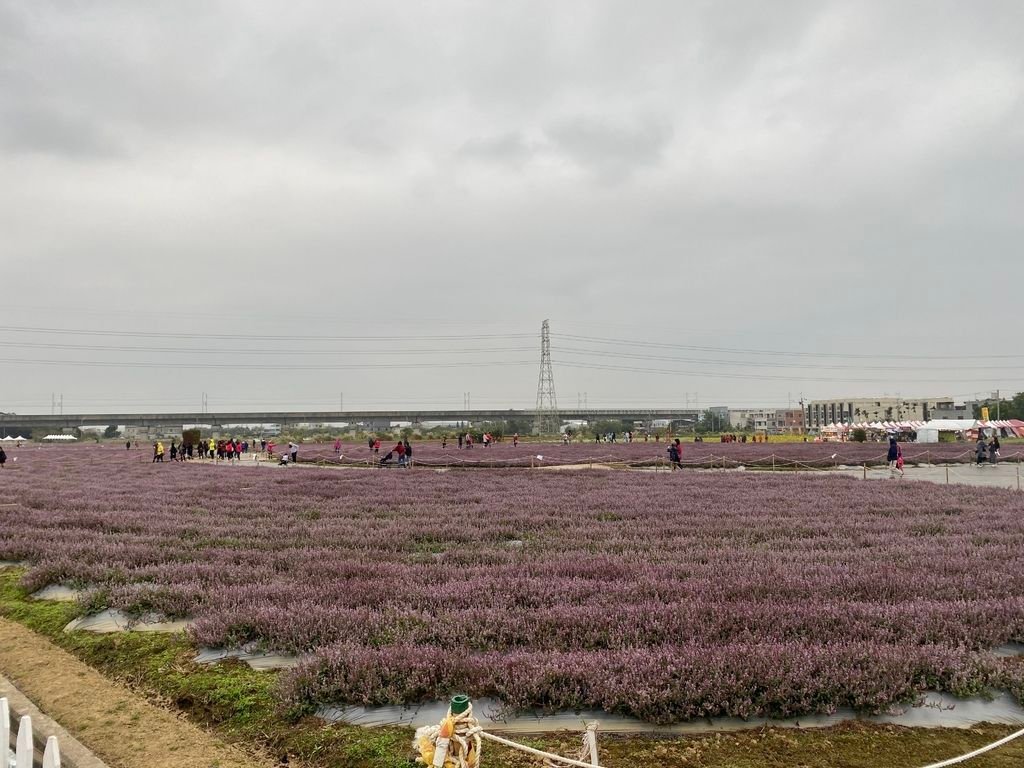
x=929 y=433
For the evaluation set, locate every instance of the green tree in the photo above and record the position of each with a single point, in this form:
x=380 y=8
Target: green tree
x=1003 y=408
x=711 y=422
x=111 y=431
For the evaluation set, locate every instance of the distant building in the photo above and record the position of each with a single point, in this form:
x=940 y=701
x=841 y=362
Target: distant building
x=820 y=413
x=740 y=418
x=952 y=411
x=775 y=421
x=145 y=434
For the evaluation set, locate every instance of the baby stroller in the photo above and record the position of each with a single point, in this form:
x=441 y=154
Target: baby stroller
x=387 y=458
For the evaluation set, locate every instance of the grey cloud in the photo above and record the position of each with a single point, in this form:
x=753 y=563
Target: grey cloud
x=511 y=148
x=611 y=148
x=766 y=175
x=49 y=131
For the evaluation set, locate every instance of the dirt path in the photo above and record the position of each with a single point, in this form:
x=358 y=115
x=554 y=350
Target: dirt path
x=119 y=726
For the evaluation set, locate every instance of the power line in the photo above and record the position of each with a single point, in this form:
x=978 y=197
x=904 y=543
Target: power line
x=261 y=337
x=785 y=364
x=743 y=351
x=223 y=351
x=257 y=367
x=758 y=377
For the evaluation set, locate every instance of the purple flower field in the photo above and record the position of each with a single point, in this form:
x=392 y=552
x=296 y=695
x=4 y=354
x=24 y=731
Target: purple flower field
x=667 y=596
x=639 y=454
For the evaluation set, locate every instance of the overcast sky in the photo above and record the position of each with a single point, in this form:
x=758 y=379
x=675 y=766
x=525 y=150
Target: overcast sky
x=722 y=179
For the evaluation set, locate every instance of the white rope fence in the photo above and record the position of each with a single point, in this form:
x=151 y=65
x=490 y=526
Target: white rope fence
x=975 y=753
x=456 y=743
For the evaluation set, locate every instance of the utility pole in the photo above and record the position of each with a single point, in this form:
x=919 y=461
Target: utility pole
x=546 y=418
x=61 y=403
x=341 y=402
x=53 y=403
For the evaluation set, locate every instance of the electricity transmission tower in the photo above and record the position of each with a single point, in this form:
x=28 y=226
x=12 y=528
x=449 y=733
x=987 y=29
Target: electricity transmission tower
x=547 y=420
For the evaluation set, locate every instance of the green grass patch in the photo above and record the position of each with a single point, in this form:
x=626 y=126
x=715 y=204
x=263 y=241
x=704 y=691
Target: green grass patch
x=237 y=701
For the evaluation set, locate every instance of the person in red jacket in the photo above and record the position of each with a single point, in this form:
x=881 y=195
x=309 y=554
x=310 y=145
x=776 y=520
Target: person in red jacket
x=400 y=450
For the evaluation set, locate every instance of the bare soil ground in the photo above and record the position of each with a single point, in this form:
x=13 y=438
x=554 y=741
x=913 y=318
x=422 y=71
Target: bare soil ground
x=119 y=726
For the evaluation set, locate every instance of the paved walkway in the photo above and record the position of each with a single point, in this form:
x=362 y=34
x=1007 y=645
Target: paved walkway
x=988 y=476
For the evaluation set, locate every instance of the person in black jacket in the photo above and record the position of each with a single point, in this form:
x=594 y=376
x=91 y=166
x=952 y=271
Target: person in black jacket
x=675 y=454
x=993 y=449
x=892 y=455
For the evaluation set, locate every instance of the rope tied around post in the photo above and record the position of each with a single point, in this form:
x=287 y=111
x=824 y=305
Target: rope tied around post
x=455 y=742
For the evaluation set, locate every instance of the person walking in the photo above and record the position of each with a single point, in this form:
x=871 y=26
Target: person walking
x=981 y=451
x=673 y=456
x=294 y=450
x=892 y=455
x=408 y=452
x=174 y=451
x=128 y=445
x=3 y=457
x=460 y=441
x=400 y=450
x=993 y=449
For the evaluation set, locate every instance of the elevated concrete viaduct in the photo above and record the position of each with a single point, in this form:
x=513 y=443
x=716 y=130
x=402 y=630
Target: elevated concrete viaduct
x=57 y=422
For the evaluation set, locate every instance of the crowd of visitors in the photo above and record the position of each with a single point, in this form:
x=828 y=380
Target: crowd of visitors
x=217 y=450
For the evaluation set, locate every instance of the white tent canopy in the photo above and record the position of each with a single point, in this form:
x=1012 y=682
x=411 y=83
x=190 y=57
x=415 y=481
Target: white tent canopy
x=952 y=425
x=60 y=438
x=929 y=433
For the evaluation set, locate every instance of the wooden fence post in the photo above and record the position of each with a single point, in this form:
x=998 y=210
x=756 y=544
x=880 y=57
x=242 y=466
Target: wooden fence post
x=51 y=755
x=24 y=755
x=591 y=743
x=5 y=728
